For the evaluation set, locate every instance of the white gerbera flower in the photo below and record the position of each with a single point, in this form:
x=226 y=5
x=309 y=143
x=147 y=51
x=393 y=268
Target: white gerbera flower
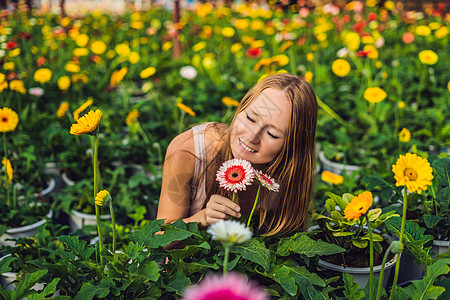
x=235 y=174
x=188 y=72
x=267 y=182
x=229 y=231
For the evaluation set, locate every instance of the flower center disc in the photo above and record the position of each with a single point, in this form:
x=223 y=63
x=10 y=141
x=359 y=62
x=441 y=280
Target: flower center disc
x=410 y=173
x=235 y=174
x=4 y=119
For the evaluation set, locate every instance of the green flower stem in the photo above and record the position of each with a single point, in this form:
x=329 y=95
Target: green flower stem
x=143 y=134
x=333 y=114
x=292 y=61
x=111 y=209
x=254 y=206
x=380 y=282
x=97 y=210
x=225 y=259
x=8 y=199
x=397 y=264
x=233 y=199
x=421 y=86
x=371 y=258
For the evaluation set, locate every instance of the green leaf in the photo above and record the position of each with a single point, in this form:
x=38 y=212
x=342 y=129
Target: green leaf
x=375 y=182
x=441 y=168
x=49 y=289
x=302 y=272
x=26 y=283
x=5 y=262
x=431 y=220
x=346 y=199
x=351 y=289
x=308 y=291
x=373 y=214
x=194 y=267
x=413 y=238
x=343 y=233
x=178 y=282
x=360 y=243
x=300 y=243
x=77 y=246
x=145 y=235
x=254 y=251
x=446 y=284
x=280 y=274
x=425 y=289
x=179 y=254
x=149 y=269
x=443 y=198
x=88 y=291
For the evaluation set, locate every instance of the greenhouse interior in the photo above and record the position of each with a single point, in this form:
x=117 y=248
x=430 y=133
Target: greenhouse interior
x=209 y=150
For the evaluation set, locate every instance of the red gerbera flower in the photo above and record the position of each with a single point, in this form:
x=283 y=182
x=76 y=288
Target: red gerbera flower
x=254 y=52
x=235 y=174
x=372 y=16
x=362 y=53
x=41 y=61
x=11 y=45
x=267 y=182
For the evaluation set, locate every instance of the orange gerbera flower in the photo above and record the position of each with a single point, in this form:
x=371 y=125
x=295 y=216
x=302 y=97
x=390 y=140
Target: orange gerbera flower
x=87 y=123
x=359 y=206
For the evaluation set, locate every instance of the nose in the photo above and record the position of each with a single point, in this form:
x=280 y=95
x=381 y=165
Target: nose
x=253 y=135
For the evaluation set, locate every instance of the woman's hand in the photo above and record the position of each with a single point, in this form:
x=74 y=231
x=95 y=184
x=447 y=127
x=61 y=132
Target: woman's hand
x=220 y=208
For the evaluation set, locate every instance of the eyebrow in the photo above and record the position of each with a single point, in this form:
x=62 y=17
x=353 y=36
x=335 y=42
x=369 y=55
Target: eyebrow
x=270 y=125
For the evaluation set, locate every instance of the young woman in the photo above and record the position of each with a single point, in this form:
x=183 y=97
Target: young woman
x=274 y=129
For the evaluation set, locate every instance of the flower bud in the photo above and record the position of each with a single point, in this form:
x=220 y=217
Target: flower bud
x=397 y=247
x=103 y=198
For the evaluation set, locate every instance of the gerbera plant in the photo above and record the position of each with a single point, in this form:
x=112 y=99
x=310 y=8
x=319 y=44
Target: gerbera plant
x=343 y=221
x=8 y=122
x=229 y=233
x=89 y=124
x=415 y=173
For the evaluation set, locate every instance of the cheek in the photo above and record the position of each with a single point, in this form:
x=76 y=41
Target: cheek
x=273 y=148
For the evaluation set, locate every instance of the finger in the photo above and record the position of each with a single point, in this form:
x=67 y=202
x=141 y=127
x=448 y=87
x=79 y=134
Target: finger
x=216 y=199
x=217 y=207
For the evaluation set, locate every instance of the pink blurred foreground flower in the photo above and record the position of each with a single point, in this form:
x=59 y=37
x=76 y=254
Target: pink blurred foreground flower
x=229 y=287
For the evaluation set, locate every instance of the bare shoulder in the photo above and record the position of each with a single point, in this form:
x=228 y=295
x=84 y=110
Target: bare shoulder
x=214 y=137
x=182 y=143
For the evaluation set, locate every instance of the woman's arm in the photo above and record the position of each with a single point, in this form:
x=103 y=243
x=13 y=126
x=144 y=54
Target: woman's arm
x=178 y=172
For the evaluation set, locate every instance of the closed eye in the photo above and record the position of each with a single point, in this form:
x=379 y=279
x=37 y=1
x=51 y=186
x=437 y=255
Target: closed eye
x=251 y=120
x=273 y=136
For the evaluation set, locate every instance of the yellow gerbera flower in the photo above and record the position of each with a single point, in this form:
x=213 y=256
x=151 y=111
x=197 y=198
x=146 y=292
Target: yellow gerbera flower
x=359 y=206
x=228 y=101
x=374 y=94
x=132 y=117
x=62 y=109
x=87 y=124
x=98 y=47
x=102 y=198
x=404 y=136
x=117 y=76
x=340 y=67
x=423 y=30
x=76 y=113
x=332 y=178
x=428 y=57
x=8 y=119
x=18 y=86
x=228 y=31
x=147 y=72
x=63 y=83
x=186 y=109
x=9 y=170
x=413 y=171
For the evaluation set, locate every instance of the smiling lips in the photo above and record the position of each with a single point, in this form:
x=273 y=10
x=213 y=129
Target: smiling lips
x=246 y=147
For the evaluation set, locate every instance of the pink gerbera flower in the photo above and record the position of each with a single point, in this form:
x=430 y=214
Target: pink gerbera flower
x=229 y=287
x=267 y=182
x=235 y=174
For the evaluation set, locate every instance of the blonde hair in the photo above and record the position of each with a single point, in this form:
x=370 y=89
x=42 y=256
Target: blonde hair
x=293 y=167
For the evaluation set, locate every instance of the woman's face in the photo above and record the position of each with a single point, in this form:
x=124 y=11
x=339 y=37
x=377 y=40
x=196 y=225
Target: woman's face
x=259 y=131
